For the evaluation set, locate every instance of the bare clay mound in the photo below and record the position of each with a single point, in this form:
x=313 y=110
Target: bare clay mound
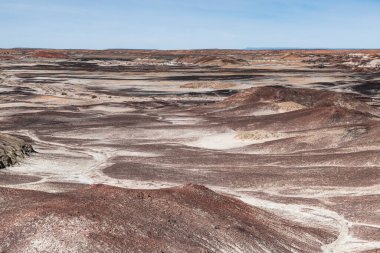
x=309 y=98
x=297 y=120
x=293 y=109
x=102 y=218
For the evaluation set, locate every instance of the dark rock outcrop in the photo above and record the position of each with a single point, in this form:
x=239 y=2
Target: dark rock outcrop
x=13 y=150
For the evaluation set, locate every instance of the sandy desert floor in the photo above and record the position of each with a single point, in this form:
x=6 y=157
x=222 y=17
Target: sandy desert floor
x=241 y=151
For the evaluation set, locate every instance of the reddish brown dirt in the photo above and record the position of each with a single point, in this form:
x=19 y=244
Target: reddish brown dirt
x=9 y=179
x=49 y=54
x=185 y=219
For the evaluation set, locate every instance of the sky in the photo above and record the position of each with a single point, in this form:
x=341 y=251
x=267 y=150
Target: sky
x=189 y=24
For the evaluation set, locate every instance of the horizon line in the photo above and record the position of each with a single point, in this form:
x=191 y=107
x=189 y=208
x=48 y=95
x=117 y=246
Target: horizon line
x=193 y=49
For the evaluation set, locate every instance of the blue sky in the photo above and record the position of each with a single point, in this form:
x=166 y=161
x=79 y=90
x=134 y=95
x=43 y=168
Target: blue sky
x=190 y=24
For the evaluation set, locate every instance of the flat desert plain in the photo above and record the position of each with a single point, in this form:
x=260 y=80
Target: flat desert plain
x=189 y=151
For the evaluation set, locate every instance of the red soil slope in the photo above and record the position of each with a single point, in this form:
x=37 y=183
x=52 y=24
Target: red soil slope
x=108 y=219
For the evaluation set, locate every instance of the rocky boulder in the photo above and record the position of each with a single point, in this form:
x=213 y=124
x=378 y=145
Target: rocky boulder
x=13 y=150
